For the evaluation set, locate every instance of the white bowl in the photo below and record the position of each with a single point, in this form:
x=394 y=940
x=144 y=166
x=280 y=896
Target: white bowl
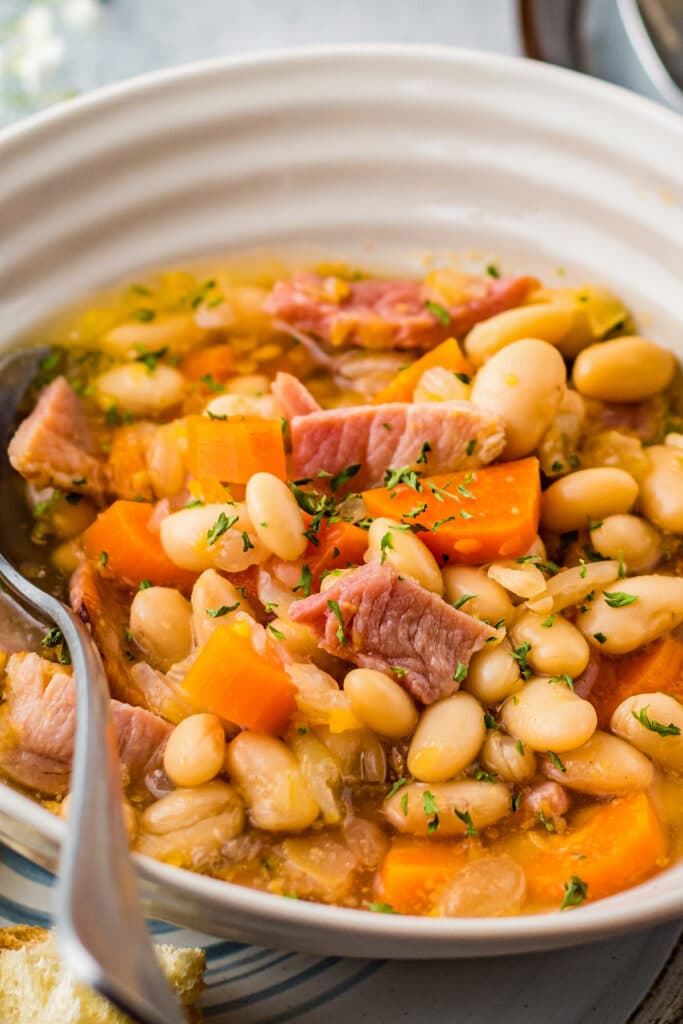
x=380 y=154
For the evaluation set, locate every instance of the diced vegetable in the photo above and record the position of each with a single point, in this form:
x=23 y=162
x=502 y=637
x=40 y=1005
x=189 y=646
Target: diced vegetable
x=209 y=366
x=127 y=464
x=232 y=450
x=233 y=680
x=339 y=545
x=471 y=517
x=131 y=551
x=657 y=667
x=401 y=388
x=413 y=872
x=610 y=848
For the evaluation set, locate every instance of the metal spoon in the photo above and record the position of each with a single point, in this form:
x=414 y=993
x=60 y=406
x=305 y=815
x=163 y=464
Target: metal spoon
x=101 y=929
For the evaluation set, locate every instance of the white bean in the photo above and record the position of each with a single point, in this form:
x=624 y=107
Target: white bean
x=630 y=538
x=268 y=774
x=524 y=384
x=160 y=622
x=661 y=488
x=557 y=647
x=549 y=716
x=493 y=674
x=194 y=538
x=448 y=738
x=620 y=627
x=627 y=369
x=409 y=810
x=588 y=494
x=380 y=703
x=547 y=321
x=508 y=758
x=178 y=332
x=389 y=541
x=243 y=405
x=186 y=807
x=486 y=599
x=276 y=516
x=649 y=721
x=521 y=579
x=487 y=887
x=605 y=766
x=213 y=593
x=140 y=391
x=195 y=751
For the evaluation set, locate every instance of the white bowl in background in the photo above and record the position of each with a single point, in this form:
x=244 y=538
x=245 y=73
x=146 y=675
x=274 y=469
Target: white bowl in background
x=380 y=155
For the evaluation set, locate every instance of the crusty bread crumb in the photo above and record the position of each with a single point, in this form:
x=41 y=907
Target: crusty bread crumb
x=36 y=989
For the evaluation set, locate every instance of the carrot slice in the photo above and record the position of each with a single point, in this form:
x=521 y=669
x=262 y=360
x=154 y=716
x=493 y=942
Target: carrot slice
x=231 y=679
x=232 y=450
x=471 y=517
x=339 y=545
x=127 y=463
x=120 y=541
x=209 y=366
x=412 y=873
x=402 y=387
x=612 y=847
x=656 y=668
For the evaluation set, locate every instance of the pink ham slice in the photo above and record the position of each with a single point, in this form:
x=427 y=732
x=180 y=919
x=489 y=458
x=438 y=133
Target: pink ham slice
x=388 y=314
x=379 y=437
x=293 y=397
x=392 y=623
x=38 y=727
x=54 y=445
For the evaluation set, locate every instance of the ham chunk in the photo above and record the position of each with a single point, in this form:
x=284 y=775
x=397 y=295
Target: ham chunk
x=388 y=313
x=38 y=728
x=293 y=397
x=54 y=445
x=379 y=437
x=393 y=624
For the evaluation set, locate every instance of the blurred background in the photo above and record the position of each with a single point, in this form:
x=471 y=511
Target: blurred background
x=51 y=50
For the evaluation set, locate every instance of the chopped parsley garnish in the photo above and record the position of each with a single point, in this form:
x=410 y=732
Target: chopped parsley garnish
x=471 y=444
x=343 y=476
x=302 y=730
x=218 y=613
x=575 y=892
x=442 y=522
x=417 y=510
x=520 y=656
x=216 y=415
x=404 y=805
x=566 y=679
x=403 y=475
x=387 y=426
x=382 y=908
x=276 y=632
x=55 y=638
x=424 y=452
x=464 y=378
x=305 y=580
x=462 y=489
x=466 y=819
x=600 y=637
x=222 y=524
x=79 y=481
x=516 y=800
x=270 y=607
x=385 y=544
x=460 y=672
x=653 y=725
x=622 y=571
x=492 y=270
x=465 y=515
x=399 y=671
x=202 y=293
x=556 y=762
x=210 y=382
x=548 y=622
x=519 y=747
x=463 y=599
x=618 y=599
x=150 y=359
x=399 y=784
x=246 y=541
x=594 y=524
x=104 y=558
x=144 y=584
x=482 y=776
x=431 y=809
x=583 y=570
x=144 y=315
x=557 y=467
x=194 y=504
x=341 y=628
x=546 y=822
x=438 y=311
x=490 y=722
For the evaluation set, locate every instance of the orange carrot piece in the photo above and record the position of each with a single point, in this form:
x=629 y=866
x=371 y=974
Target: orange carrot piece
x=232 y=680
x=612 y=847
x=339 y=545
x=657 y=667
x=127 y=463
x=209 y=365
x=484 y=514
x=401 y=388
x=232 y=450
x=119 y=540
x=413 y=872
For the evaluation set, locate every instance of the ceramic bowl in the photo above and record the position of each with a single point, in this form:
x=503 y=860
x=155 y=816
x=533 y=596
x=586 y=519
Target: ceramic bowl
x=388 y=155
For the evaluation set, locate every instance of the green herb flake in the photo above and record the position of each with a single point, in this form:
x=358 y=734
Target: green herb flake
x=144 y=584
x=438 y=311
x=387 y=426
x=218 y=613
x=442 y=522
x=548 y=622
x=653 y=725
x=150 y=359
x=54 y=638
x=104 y=558
x=417 y=510
x=519 y=747
x=144 y=315
x=424 y=452
x=622 y=570
x=382 y=908
x=344 y=476
x=278 y=634
x=463 y=599
x=222 y=524
x=566 y=679
x=399 y=784
x=403 y=475
x=492 y=270
x=482 y=776
x=385 y=544
x=460 y=672
x=464 y=378
x=471 y=444
x=583 y=570
x=520 y=654
x=216 y=415
x=516 y=800
x=305 y=581
x=466 y=818
x=430 y=807
x=404 y=805
x=210 y=382
x=600 y=637
x=545 y=821
x=490 y=722
x=618 y=599
x=575 y=892
x=557 y=467
x=399 y=671
x=341 y=629
x=246 y=542
x=302 y=730
x=556 y=762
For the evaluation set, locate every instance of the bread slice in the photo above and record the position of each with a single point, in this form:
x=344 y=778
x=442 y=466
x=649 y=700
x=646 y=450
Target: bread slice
x=36 y=989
